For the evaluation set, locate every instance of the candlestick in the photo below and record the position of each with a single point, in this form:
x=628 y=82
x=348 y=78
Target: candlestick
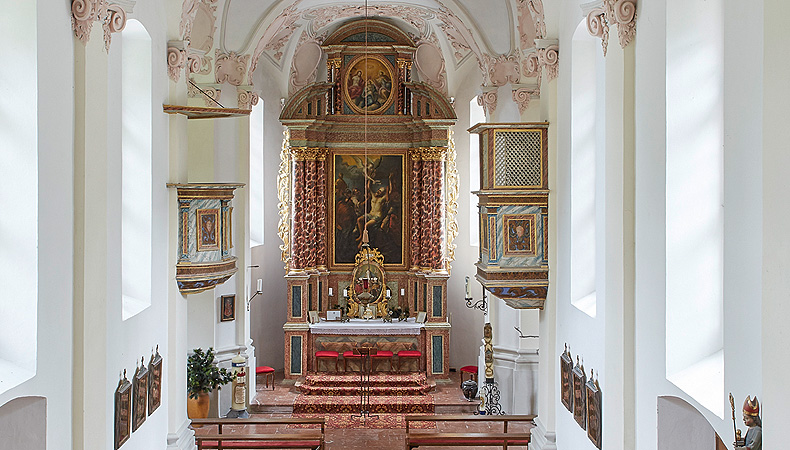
x=260 y=285
x=468 y=291
x=330 y=292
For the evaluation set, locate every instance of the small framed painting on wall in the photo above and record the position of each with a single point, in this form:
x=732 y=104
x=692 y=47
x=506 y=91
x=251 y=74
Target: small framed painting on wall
x=227 y=308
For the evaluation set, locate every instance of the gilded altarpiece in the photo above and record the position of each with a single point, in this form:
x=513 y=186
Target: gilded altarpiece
x=356 y=155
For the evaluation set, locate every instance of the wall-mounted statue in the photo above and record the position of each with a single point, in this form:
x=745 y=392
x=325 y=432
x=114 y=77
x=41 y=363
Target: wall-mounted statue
x=751 y=418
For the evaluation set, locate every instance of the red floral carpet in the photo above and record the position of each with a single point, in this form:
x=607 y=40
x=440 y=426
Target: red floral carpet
x=336 y=397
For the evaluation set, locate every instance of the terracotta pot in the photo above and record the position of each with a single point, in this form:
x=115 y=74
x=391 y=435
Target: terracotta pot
x=198 y=408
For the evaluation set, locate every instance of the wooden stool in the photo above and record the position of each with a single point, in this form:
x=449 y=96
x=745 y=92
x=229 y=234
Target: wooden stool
x=324 y=354
x=382 y=354
x=349 y=354
x=409 y=354
x=268 y=372
x=471 y=370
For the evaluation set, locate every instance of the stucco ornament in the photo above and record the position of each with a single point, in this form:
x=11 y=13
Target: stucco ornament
x=85 y=12
x=209 y=94
x=189 y=13
x=176 y=61
x=549 y=57
x=230 y=67
x=488 y=100
x=611 y=12
x=430 y=65
x=522 y=97
x=277 y=34
x=247 y=99
x=531 y=22
x=304 y=64
x=503 y=69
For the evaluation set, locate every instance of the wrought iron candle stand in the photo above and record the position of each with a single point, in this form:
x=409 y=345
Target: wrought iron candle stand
x=489 y=392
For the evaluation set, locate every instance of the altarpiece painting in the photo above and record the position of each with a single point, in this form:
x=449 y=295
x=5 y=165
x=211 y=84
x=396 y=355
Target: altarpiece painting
x=368 y=192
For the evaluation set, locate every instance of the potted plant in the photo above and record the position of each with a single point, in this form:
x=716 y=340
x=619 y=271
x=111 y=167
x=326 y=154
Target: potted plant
x=203 y=376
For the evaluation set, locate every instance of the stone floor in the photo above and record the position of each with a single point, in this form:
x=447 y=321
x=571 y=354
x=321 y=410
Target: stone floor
x=449 y=400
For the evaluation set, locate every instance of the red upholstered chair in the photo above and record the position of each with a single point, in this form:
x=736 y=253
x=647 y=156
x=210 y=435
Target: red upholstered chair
x=381 y=355
x=409 y=354
x=324 y=354
x=471 y=370
x=348 y=354
x=268 y=373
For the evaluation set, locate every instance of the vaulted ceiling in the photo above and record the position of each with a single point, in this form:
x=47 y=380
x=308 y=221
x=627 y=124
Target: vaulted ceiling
x=498 y=36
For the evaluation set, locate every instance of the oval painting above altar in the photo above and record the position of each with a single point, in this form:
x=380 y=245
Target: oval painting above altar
x=369 y=84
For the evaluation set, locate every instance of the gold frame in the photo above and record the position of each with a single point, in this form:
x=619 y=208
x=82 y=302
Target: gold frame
x=405 y=222
x=364 y=290
x=123 y=404
x=353 y=65
x=229 y=299
x=199 y=225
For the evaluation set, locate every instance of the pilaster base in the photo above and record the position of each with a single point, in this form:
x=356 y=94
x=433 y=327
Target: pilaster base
x=542 y=439
x=183 y=439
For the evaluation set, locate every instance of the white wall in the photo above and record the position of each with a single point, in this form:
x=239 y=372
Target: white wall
x=55 y=104
x=128 y=341
x=742 y=209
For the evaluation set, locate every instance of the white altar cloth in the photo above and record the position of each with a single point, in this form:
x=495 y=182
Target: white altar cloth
x=368 y=327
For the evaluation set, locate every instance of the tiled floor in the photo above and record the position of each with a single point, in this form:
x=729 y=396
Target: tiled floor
x=449 y=400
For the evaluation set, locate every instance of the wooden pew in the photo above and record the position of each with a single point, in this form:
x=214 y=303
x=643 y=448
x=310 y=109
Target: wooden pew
x=502 y=439
x=310 y=438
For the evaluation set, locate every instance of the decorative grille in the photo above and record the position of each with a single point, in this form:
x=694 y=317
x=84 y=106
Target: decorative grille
x=517 y=158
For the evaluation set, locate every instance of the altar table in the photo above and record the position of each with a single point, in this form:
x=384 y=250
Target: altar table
x=342 y=336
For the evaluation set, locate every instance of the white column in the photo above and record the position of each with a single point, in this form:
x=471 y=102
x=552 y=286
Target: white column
x=776 y=220
x=91 y=416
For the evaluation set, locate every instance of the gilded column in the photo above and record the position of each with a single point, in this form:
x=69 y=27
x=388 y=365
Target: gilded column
x=416 y=185
x=426 y=217
x=183 y=233
x=438 y=207
x=299 y=234
x=321 y=204
x=309 y=201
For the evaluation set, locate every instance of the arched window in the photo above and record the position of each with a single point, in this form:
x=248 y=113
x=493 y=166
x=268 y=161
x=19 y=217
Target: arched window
x=256 y=175
x=136 y=172
x=476 y=115
x=694 y=200
x=587 y=146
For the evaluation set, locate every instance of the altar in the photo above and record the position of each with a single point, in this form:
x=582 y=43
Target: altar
x=383 y=336
x=372 y=231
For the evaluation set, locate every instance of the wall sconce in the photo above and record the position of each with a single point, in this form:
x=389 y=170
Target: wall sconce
x=482 y=304
x=259 y=290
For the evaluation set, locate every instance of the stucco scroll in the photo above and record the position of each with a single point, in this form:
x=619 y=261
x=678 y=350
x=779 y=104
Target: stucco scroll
x=85 y=12
x=610 y=12
x=176 y=61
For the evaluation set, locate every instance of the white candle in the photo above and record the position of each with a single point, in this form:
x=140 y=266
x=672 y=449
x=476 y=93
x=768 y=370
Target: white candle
x=468 y=290
x=330 y=292
x=345 y=292
x=260 y=285
x=402 y=291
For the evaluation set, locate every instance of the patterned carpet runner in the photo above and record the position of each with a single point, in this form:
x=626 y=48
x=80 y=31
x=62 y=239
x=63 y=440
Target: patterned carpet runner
x=336 y=397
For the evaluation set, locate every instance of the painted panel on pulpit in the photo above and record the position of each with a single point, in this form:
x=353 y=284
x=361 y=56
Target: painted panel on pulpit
x=368 y=191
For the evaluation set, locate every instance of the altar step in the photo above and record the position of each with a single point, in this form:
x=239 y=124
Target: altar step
x=345 y=404
x=352 y=380
x=355 y=390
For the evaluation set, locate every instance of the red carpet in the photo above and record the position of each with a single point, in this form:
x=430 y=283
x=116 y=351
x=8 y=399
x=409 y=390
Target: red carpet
x=336 y=397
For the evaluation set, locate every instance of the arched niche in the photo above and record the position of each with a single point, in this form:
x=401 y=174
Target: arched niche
x=681 y=425
x=23 y=423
